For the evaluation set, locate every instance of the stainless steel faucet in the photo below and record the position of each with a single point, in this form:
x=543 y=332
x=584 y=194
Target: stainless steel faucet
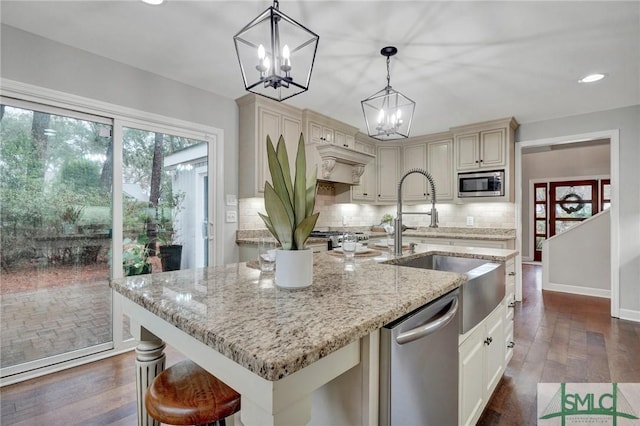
x=397 y=222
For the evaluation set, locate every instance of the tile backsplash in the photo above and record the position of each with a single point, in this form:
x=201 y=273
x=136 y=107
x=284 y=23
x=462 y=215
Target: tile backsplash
x=332 y=214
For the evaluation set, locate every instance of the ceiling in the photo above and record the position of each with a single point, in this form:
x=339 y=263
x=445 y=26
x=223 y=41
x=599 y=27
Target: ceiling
x=462 y=62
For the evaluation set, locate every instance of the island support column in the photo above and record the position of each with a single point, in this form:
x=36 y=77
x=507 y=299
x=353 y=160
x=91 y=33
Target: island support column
x=150 y=361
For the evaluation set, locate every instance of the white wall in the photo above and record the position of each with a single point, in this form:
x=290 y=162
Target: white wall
x=558 y=163
x=578 y=260
x=627 y=120
x=31 y=59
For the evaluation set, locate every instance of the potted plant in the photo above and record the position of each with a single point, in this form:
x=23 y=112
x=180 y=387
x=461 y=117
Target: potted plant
x=135 y=257
x=290 y=217
x=70 y=216
x=170 y=247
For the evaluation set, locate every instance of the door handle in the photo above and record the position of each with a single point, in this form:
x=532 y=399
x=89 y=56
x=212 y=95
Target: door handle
x=430 y=327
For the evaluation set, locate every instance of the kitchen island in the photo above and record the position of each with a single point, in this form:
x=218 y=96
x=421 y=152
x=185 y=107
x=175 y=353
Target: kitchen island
x=277 y=346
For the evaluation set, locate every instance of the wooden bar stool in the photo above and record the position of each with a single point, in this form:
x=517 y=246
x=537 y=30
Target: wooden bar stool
x=186 y=394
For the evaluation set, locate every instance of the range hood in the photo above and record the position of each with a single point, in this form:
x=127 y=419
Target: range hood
x=340 y=164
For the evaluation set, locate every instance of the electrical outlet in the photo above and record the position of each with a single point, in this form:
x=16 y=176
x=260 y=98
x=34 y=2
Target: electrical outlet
x=469 y=220
x=232 y=200
x=231 y=216
x=344 y=221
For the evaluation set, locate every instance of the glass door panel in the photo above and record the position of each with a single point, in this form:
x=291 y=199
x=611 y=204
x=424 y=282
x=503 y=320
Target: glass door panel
x=56 y=198
x=540 y=221
x=571 y=203
x=162 y=193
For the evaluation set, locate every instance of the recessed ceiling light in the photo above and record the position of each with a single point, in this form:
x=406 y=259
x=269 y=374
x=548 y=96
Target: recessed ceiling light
x=591 y=78
x=153 y=2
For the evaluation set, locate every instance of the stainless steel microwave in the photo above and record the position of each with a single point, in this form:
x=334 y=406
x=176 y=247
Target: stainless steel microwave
x=481 y=184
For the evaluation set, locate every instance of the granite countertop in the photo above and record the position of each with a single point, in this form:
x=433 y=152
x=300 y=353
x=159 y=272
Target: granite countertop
x=274 y=332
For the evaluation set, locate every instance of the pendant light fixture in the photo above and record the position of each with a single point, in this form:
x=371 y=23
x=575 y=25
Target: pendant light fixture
x=388 y=113
x=276 y=54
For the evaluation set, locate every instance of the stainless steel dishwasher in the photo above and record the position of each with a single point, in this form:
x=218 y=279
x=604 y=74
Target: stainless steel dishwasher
x=419 y=366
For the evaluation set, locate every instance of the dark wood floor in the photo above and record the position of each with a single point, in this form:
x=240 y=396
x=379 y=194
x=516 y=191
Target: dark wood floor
x=559 y=338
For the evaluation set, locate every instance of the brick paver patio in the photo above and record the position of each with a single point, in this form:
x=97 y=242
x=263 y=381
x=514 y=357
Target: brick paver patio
x=54 y=310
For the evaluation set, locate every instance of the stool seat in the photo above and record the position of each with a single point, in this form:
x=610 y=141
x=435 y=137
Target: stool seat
x=186 y=394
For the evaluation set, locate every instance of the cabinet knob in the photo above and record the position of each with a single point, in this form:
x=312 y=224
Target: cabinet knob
x=477 y=161
x=511 y=344
x=425 y=194
x=365 y=194
x=512 y=304
x=488 y=341
x=512 y=274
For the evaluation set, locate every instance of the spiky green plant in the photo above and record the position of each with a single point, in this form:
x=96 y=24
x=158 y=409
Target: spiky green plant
x=289 y=205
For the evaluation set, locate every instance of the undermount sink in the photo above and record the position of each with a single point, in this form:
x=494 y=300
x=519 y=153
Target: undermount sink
x=479 y=296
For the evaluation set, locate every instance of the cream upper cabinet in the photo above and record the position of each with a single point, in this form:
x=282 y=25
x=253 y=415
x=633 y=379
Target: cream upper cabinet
x=415 y=186
x=321 y=129
x=483 y=150
x=440 y=165
x=260 y=117
x=389 y=160
x=366 y=190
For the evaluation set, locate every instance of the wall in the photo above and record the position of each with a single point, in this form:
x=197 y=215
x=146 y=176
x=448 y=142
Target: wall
x=31 y=59
x=627 y=120
x=486 y=215
x=576 y=262
x=558 y=163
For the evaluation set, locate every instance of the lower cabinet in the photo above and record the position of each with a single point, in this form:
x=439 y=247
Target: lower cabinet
x=482 y=357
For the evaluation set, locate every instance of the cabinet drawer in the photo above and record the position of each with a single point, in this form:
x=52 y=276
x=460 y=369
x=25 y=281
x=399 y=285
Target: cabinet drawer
x=509 y=342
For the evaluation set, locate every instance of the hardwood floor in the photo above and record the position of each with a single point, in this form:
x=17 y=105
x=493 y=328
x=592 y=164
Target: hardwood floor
x=559 y=338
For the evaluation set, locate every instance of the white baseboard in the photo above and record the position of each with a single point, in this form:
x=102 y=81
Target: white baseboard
x=629 y=314
x=573 y=289
x=527 y=259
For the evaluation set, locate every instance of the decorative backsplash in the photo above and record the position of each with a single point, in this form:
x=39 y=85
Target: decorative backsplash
x=485 y=214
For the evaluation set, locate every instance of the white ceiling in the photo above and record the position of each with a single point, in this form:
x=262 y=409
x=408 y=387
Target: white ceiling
x=462 y=62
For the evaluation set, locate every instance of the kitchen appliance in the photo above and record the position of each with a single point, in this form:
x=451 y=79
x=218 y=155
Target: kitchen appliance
x=481 y=184
x=334 y=238
x=419 y=366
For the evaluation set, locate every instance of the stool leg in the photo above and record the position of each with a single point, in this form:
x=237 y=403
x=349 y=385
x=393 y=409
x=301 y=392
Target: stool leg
x=150 y=361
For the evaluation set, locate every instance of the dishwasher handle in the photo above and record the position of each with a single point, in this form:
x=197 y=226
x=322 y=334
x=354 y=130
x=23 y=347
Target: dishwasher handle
x=430 y=327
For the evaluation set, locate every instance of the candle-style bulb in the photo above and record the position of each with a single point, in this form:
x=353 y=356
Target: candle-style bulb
x=381 y=116
x=267 y=63
x=261 y=52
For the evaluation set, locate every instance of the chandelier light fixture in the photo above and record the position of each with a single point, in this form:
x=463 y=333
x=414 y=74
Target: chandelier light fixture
x=276 y=54
x=388 y=113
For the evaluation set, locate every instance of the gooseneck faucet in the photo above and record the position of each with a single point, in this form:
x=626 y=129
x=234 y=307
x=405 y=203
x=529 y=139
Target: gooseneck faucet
x=397 y=222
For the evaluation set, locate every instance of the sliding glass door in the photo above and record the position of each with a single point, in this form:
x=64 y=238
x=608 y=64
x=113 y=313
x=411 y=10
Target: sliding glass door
x=164 y=201
x=85 y=198
x=56 y=205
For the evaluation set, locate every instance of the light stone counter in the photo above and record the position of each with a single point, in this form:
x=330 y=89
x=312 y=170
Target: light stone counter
x=274 y=332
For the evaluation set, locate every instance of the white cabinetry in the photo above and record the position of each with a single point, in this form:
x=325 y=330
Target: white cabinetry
x=487 y=146
x=510 y=303
x=389 y=160
x=258 y=118
x=322 y=129
x=483 y=150
x=481 y=355
x=415 y=186
x=440 y=165
x=366 y=190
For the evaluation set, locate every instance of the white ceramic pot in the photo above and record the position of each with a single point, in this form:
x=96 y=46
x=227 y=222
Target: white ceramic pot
x=294 y=268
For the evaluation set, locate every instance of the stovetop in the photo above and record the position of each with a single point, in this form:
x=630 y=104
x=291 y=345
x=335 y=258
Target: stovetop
x=337 y=235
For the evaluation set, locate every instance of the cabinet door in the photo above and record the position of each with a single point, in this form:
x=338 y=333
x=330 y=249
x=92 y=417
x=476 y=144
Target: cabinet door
x=315 y=133
x=495 y=349
x=291 y=128
x=366 y=191
x=349 y=141
x=467 y=155
x=415 y=185
x=440 y=165
x=471 y=390
x=268 y=125
x=493 y=148
x=388 y=160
